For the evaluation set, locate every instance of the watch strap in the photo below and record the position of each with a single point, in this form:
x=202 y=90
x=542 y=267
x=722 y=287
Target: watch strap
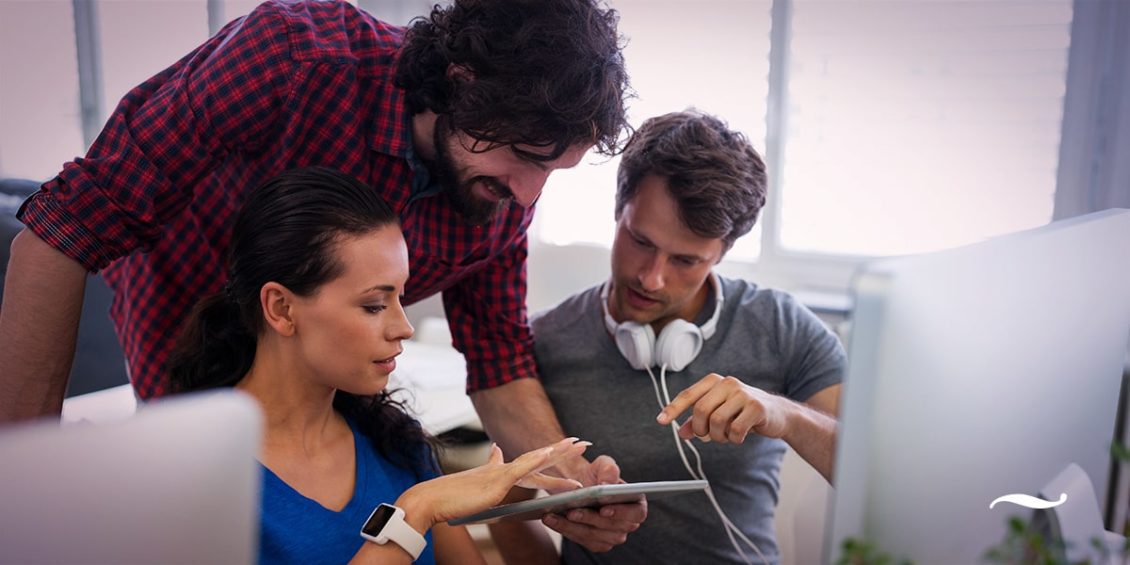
x=397 y=530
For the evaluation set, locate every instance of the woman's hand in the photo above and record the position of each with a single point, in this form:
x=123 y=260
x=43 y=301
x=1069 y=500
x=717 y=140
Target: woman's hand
x=459 y=494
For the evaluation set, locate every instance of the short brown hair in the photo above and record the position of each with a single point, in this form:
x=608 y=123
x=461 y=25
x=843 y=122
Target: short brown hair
x=713 y=172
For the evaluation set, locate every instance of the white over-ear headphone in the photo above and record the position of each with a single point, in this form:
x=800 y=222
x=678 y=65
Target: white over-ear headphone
x=678 y=344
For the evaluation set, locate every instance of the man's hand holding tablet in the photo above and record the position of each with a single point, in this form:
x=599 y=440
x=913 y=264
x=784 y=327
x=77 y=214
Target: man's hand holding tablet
x=597 y=529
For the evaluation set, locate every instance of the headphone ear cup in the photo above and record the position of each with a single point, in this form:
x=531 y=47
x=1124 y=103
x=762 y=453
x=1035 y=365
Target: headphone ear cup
x=636 y=343
x=678 y=344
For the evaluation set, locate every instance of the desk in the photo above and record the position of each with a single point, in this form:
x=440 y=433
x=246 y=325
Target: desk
x=429 y=379
x=107 y=405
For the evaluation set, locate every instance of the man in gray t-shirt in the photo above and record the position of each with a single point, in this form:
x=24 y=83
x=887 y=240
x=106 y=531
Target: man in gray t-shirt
x=767 y=373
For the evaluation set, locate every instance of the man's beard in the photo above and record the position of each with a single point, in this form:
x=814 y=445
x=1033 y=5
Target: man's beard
x=474 y=210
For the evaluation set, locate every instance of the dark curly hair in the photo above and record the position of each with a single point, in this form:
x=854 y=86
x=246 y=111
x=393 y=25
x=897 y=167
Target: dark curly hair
x=284 y=233
x=712 y=172
x=546 y=73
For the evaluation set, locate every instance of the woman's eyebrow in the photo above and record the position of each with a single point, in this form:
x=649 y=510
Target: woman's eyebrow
x=381 y=287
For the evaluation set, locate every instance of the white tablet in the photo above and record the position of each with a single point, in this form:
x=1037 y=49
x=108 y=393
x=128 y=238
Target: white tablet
x=587 y=497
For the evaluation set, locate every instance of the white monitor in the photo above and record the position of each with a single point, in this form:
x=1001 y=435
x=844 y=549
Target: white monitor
x=976 y=373
x=176 y=483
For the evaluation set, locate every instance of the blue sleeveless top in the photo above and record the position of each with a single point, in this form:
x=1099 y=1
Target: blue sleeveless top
x=296 y=529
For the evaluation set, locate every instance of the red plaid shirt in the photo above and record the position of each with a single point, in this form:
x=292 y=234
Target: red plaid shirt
x=290 y=85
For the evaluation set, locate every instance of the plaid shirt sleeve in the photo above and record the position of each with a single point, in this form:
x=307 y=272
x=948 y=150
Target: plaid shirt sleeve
x=162 y=139
x=487 y=315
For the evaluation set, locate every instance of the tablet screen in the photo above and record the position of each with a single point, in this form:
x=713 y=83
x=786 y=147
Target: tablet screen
x=598 y=495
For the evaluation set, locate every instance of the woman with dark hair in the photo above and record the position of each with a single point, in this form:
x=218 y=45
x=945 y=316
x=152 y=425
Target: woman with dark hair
x=310 y=324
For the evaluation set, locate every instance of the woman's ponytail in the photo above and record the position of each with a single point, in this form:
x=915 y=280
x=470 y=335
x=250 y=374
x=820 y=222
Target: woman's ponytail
x=215 y=348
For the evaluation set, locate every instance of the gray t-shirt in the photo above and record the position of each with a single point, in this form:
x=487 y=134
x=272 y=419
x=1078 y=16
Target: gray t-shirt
x=764 y=337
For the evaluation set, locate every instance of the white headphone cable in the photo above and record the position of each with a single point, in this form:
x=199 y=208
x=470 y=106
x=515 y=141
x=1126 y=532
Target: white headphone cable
x=729 y=524
x=702 y=474
x=731 y=529
x=675 y=431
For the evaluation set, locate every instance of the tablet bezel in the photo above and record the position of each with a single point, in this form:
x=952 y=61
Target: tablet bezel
x=597 y=495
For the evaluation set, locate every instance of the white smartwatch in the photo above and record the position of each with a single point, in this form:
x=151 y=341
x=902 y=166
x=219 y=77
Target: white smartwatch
x=386 y=523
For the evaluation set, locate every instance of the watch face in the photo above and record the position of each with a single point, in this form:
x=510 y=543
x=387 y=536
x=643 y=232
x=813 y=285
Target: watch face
x=376 y=522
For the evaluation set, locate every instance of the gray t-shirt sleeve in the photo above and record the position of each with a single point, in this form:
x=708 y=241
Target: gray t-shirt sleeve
x=815 y=357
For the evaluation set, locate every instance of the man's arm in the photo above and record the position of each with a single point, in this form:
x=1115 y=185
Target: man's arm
x=518 y=415
x=521 y=414
x=163 y=137
x=813 y=434
x=39 y=319
x=500 y=408
x=486 y=312
x=726 y=410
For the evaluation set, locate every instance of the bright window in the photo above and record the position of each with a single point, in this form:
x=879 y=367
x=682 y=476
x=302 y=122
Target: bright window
x=919 y=126
x=907 y=126
x=713 y=55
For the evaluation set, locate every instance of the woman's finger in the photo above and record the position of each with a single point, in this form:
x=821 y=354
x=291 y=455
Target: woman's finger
x=562 y=451
x=549 y=483
x=529 y=462
x=495 y=455
x=548 y=456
